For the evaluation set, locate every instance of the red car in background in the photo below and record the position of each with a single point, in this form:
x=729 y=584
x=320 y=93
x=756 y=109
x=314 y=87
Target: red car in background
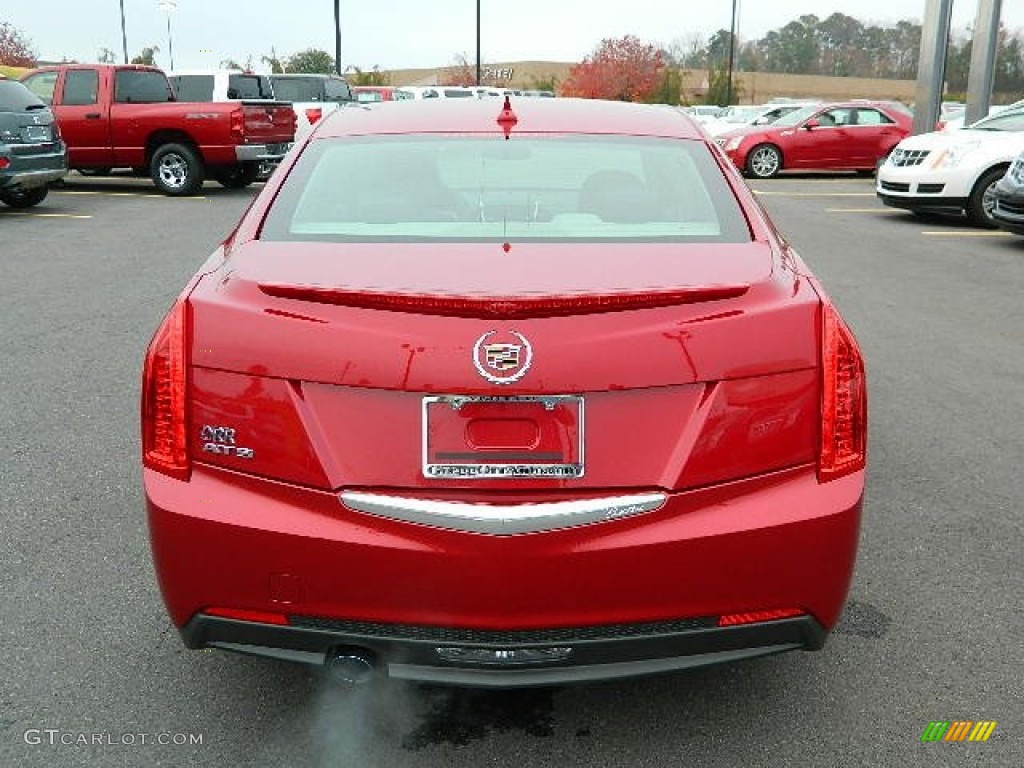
x=548 y=401
x=847 y=136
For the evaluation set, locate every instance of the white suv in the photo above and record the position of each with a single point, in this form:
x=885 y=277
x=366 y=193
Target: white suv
x=953 y=172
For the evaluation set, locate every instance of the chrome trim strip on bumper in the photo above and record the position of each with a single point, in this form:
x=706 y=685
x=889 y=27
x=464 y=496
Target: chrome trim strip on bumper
x=246 y=153
x=502 y=519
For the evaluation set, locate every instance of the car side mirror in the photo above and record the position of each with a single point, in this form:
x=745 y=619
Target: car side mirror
x=812 y=123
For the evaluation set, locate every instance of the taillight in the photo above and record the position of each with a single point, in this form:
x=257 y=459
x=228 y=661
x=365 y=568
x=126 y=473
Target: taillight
x=164 y=393
x=238 y=123
x=4 y=162
x=844 y=407
x=314 y=114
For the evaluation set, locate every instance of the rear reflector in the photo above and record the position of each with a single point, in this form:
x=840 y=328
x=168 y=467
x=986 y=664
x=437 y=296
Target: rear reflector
x=843 y=400
x=735 y=619
x=164 y=391
x=260 y=617
x=510 y=307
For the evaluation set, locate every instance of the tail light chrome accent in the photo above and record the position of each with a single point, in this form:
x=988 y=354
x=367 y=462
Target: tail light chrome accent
x=844 y=407
x=164 y=396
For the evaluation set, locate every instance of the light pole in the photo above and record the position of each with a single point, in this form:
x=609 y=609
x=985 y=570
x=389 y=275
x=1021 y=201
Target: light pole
x=478 y=42
x=337 y=37
x=168 y=6
x=124 y=35
x=732 y=54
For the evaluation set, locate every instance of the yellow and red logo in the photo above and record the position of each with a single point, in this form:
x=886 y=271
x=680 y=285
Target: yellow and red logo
x=958 y=730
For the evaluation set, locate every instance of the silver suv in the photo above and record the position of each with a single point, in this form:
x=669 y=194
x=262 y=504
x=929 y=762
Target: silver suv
x=32 y=153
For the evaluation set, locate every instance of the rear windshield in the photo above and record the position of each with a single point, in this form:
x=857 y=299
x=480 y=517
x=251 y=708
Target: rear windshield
x=534 y=187
x=15 y=97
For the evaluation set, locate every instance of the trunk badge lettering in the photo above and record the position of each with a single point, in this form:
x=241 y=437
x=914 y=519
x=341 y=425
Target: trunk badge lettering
x=221 y=440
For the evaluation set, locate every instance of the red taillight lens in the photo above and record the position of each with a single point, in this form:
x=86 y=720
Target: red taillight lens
x=164 y=392
x=844 y=406
x=238 y=123
x=314 y=114
x=4 y=162
x=753 y=617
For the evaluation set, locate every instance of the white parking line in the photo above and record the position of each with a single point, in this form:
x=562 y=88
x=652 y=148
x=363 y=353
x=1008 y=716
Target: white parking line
x=152 y=195
x=963 y=233
x=863 y=210
x=773 y=193
x=46 y=215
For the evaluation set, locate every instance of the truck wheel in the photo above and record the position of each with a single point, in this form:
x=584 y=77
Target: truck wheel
x=24 y=198
x=176 y=170
x=237 y=176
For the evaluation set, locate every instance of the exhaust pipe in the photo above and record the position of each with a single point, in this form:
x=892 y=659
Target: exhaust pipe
x=351 y=666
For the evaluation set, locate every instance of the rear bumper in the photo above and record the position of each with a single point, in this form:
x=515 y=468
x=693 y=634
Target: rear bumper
x=431 y=654
x=25 y=172
x=225 y=540
x=253 y=153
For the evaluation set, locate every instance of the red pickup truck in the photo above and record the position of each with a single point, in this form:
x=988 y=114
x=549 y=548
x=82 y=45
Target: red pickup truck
x=115 y=116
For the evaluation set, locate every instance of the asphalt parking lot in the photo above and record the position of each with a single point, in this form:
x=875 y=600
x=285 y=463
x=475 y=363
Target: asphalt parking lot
x=933 y=628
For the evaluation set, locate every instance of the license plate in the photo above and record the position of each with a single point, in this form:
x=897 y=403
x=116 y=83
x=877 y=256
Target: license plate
x=470 y=437
x=40 y=133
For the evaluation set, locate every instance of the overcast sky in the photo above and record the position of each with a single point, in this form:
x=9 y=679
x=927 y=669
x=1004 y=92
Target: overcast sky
x=418 y=33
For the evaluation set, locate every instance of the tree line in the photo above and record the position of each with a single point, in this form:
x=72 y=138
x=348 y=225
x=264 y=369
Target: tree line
x=838 y=45
x=843 y=46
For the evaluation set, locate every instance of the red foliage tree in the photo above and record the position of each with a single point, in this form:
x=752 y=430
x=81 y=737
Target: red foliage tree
x=461 y=72
x=624 y=69
x=15 y=50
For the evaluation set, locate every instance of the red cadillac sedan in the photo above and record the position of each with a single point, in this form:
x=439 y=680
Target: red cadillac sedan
x=845 y=136
x=504 y=397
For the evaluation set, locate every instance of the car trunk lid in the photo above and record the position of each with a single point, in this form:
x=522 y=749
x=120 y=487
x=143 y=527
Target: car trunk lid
x=681 y=366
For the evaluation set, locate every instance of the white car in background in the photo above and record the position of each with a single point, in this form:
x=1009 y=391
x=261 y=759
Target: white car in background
x=220 y=85
x=954 y=120
x=953 y=172
x=436 y=92
x=312 y=97
x=741 y=117
x=704 y=113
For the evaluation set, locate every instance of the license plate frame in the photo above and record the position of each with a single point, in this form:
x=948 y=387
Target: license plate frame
x=37 y=134
x=468 y=469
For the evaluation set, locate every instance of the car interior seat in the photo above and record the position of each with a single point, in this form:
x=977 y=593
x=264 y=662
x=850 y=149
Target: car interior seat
x=616 y=196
